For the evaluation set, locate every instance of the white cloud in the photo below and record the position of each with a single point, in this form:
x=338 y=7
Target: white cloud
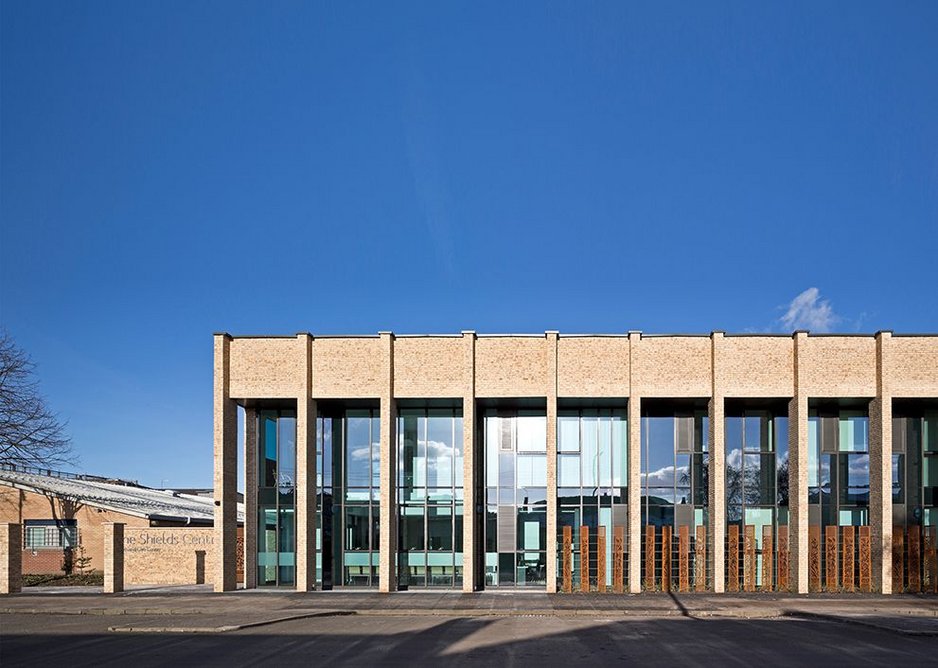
x=364 y=452
x=809 y=311
x=666 y=477
x=734 y=459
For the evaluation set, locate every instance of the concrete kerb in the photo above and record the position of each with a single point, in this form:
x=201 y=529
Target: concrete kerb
x=229 y=627
x=234 y=611
x=901 y=623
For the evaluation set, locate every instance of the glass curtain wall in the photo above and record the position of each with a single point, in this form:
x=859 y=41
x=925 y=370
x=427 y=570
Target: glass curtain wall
x=347 y=517
x=515 y=530
x=592 y=479
x=838 y=466
x=430 y=497
x=674 y=475
x=915 y=465
x=757 y=472
x=276 y=498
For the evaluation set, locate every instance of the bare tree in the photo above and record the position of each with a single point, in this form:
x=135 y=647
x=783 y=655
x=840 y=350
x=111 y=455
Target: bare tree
x=30 y=434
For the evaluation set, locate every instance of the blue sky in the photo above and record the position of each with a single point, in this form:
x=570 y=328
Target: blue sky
x=172 y=169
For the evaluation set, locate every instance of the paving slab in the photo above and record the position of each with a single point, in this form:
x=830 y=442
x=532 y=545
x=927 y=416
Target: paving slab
x=246 y=605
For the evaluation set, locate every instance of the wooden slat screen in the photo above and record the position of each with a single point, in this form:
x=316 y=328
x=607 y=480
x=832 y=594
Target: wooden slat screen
x=683 y=570
x=732 y=558
x=650 y=557
x=700 y=559
x=768 y=563
x=898 y=559
x=618 y=559
x=866 y=566
x=830 y=557
x=567 y=559
x=665 y=558
x=584 y=558
x=749 y=558
x=814 y=558
x=784 y=559
x=847 y=560
x=601 y=559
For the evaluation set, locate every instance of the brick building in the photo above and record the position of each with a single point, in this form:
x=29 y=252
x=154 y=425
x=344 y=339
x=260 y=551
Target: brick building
x=590 y=462
x=61 y=512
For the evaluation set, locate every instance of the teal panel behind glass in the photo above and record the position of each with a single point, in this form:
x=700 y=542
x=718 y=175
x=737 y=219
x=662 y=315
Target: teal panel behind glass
x=569 y=433
x=930 y=431
x=854 y=432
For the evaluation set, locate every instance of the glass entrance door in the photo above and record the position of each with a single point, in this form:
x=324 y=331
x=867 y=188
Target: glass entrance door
x=276 y=498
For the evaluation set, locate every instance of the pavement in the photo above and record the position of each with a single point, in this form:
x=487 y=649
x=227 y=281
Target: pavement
x=159 y=626
x=196 y=608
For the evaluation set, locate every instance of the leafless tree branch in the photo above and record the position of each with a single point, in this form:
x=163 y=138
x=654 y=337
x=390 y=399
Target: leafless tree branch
x=30 y=434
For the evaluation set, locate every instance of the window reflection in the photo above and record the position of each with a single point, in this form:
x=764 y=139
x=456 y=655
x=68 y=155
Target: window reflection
x=430 y=478
x=348 y=513
x=838 y=465
x=515 y=443
x=592 y=478
x=674 y=473
x=276 y=496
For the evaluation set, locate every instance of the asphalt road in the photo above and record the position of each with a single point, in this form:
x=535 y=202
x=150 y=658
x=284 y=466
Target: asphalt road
x=79 y=640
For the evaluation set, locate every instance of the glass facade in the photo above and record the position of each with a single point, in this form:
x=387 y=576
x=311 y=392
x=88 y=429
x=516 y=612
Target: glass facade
x=592 y=469
x=674 y=475
x=592 y=480
x=515 y=528
x=430 y=497
x=674 y=472
x=838 y=466
x=276 y=498
x=347 y=517
x=915 y=465
x=757 y=472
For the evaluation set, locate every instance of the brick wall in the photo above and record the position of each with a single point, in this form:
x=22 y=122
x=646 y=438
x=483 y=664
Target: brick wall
x=172 y=555
x=19 y=506
x=517 y=366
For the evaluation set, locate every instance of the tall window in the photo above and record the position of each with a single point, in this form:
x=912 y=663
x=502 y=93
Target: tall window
x=757 y=467
x=915 y=464
x=516 y=497
x=430 y=497
x=592 y=477
x=838 y=466
x=348 y=471
x=757 y=471
x=674 y=475
x=276 y=498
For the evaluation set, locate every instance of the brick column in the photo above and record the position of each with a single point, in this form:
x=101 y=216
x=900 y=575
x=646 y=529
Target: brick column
x=470 y=503
x=716 y=494
x=11 y=558
x=798 y=474
x=305 y=472
x=387 y=557
x=551 y=462
x=635 y=472
x=881 y=468
x=250 y=498
x=113 y=557
x=226 y=471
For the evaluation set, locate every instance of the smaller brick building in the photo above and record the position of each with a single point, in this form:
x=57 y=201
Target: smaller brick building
x=62 y=515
